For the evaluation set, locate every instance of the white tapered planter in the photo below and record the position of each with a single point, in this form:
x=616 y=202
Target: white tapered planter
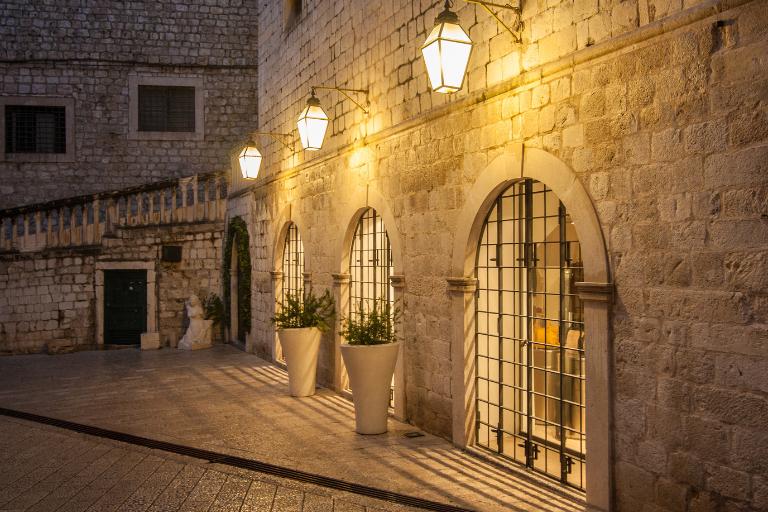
x=370 y=369
x=300 y=347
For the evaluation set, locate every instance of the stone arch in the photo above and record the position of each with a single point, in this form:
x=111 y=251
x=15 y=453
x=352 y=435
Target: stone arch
x=362 y=199
x=595 y=292
x=236 y=278
x=283 y=222
x=359 y=202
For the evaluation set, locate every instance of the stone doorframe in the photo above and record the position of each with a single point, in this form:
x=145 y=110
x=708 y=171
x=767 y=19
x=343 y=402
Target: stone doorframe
x=149 y=266
x=514 y=164
x=370 y=198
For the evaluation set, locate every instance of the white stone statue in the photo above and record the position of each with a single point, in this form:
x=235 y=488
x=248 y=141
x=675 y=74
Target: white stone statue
x=198 y=333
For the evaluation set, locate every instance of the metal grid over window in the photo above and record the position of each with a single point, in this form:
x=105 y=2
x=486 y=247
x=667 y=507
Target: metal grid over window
x=530 y=335
x=35 y=129
x=293 y=263
x=370 y=265
x=166 y=108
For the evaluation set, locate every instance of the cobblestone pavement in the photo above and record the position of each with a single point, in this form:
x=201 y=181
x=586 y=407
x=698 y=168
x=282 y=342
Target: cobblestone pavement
x=48 y=469
x=235 y=403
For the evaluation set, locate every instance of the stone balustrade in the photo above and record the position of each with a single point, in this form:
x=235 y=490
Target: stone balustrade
x=84 y=220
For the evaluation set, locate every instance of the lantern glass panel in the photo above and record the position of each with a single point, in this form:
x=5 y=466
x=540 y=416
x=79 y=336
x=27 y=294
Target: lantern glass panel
x=446 y=53
x=250 y=162
x=312 y=125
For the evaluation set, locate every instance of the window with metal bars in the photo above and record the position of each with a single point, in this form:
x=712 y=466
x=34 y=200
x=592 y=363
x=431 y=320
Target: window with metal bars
x=370 y=266
x=293 y=263
x=35 y=129
x=166 y=108
x=530 y=335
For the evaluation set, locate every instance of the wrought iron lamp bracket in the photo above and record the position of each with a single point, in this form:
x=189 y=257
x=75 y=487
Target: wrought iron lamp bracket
x=516 y=29
x=346 y=92
x=291 y=145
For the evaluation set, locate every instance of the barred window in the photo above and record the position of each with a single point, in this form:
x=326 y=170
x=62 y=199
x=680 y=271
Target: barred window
x=35 y=129
x=166 y=108
x=293 y=263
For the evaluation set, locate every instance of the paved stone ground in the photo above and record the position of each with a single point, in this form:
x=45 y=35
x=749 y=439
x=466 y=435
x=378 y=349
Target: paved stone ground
x=232 y=402
x=47 y=469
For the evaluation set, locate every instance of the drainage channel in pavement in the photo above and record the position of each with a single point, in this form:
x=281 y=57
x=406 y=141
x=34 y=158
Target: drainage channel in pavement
x=238 y=462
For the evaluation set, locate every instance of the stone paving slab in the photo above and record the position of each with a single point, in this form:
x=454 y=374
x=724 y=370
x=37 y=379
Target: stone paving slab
x=225 y=400
x=155 y=480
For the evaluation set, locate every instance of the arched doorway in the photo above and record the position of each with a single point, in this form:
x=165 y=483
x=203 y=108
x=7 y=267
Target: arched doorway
x=370 y=267
x=530 y=334
x=237 y=280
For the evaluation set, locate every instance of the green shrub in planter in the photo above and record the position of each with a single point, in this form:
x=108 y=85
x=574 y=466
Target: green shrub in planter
x=309 y=311
x=372 y=326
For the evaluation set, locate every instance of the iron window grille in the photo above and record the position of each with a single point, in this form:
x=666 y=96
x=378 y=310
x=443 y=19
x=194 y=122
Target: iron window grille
x=35 y=129
x=530 y=335
x=370 y=266
x=166 y=108
x=293 y=264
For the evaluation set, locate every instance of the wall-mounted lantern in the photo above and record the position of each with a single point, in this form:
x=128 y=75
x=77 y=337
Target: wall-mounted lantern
x=448 y=47
x=250 y=161
x=250 y=157
x=446 y=52
x=313 y=121
x=312 y=124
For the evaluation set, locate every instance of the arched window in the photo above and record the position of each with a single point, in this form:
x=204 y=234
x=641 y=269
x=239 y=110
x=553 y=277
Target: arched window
x=292 y=281
x=370 y=265
x=530 y=335
x=293 y=263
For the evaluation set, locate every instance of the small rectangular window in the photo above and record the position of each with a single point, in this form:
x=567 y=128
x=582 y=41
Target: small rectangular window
x=166 y=108
x=35 y=129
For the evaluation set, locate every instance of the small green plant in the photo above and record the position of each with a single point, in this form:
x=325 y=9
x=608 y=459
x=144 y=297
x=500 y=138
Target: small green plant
x=372 y=326
x=213 y=308
x=307 y=311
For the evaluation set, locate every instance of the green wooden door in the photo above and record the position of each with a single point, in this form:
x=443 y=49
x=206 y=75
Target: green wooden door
x=125 y=306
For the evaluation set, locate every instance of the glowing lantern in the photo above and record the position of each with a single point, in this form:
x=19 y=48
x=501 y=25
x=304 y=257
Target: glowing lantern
x=312 y=124
x=446 y=52
x=250 y=162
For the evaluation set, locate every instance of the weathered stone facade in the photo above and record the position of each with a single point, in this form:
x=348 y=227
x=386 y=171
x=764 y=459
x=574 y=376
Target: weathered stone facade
x=87 y=53
x=51 y=271
x=657 y=109
x=57 y=307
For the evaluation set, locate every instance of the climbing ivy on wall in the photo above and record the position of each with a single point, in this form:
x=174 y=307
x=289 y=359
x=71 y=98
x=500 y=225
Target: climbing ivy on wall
x=237 y=232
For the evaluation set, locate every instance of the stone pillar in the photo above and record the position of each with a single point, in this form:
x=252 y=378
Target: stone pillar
x=597 y=298
x=463 y=369
x=277 y=286
x=398 y=283
x=341 y=298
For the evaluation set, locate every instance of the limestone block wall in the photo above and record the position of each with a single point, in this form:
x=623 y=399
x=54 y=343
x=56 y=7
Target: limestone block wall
x=86 y=51
x=664 y=124
x=48 y=300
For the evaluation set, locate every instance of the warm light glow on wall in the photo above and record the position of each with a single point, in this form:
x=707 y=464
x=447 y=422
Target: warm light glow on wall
x=250 y=162
x=312 y=124
x=446 y=53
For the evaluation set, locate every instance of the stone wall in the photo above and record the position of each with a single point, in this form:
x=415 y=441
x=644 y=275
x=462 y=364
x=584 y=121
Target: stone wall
x=663 y=124
x=86 y=51
x=48 y=299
